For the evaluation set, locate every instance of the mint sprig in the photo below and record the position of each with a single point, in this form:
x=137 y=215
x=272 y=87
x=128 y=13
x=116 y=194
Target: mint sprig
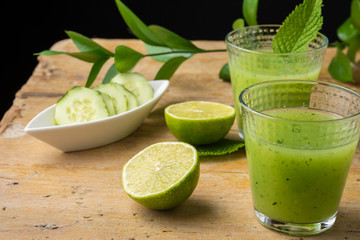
x=299 y=28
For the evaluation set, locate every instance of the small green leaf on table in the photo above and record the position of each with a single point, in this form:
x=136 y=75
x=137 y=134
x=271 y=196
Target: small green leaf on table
x=222 y=147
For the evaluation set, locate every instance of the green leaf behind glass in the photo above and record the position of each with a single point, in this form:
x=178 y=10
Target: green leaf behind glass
x=238 y=23
x=225 y=72
x=347 y=31
x=355 y=13
x=299 y=28
x=354 y=48
x=169 y=68
x=340 y=67
x=126 y=58
x=249 y=9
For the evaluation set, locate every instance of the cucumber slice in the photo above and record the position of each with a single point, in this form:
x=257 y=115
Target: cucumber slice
x=80 y=104
x=116 y=94
x=130 y=96
x=137 y=84
x=109 y=103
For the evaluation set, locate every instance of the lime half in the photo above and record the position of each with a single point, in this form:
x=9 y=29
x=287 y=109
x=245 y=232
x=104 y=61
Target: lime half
x=163 y=175
x=199 y=122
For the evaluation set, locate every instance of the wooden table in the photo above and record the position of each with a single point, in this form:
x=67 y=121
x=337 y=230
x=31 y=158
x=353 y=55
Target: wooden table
x=47 y=194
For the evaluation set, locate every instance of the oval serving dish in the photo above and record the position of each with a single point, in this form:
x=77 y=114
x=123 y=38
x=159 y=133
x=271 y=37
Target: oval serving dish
x=81 y=136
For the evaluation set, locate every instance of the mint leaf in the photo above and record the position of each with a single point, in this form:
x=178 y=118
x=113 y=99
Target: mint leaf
x=299 y=28
x=222 y=147
x=249 y=9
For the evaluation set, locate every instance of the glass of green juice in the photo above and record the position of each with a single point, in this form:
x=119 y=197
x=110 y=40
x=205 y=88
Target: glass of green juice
x=252 y=60
x=300 y=139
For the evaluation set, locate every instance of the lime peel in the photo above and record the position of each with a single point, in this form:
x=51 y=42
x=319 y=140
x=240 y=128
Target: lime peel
x=199 y=122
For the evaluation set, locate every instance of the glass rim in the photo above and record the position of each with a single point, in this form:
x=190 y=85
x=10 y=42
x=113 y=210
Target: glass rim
x=228 y=42
x=277 y=82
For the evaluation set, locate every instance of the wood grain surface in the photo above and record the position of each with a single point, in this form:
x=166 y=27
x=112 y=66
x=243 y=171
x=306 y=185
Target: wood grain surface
x=47 y=194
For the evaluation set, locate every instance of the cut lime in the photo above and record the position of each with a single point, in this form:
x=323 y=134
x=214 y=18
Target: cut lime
x=199 y=122
x=163 y=175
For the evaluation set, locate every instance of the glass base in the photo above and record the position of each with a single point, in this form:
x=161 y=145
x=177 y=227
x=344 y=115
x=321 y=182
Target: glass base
x=297 y=229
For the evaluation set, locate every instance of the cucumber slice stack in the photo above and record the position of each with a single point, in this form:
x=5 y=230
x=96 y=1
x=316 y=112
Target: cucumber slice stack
x=137 y=84
x=124 y=92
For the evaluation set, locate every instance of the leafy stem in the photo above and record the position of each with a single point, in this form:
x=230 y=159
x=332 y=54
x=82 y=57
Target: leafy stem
x=172 y=50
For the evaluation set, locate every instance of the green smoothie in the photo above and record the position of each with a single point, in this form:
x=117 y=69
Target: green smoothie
x=296 y=185
x=260 y=70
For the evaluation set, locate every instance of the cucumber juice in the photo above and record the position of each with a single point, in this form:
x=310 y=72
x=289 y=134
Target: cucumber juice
x=297 y=185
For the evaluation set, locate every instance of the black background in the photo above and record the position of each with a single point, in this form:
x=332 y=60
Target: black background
x=32 y=26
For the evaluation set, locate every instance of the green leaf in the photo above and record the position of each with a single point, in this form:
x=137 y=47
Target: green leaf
x=222 y=147
x=172 y=40
x=340 y=67
x=299 y=28
x=169 y=68
x=238 y=23
x=225 y=72
x=355 y=13
x=112 y=71
x=85 y=44
x=138 y=28
x=95 y=71
x=249 y=9
x=126 y=58
x=91 y=56
x=354 y=48
x=163 y=54
x=347 y=31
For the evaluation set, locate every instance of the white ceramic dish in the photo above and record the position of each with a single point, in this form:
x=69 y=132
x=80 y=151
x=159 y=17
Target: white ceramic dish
x=81 y=136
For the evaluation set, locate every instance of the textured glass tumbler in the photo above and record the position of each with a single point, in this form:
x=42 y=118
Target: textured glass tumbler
x=251 y=60
x=300 y=139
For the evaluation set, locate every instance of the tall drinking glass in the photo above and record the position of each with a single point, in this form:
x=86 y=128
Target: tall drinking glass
x=251 y=60
x=300 y=141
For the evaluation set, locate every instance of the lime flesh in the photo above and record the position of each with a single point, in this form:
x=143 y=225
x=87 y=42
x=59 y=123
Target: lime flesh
x=163 y=175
